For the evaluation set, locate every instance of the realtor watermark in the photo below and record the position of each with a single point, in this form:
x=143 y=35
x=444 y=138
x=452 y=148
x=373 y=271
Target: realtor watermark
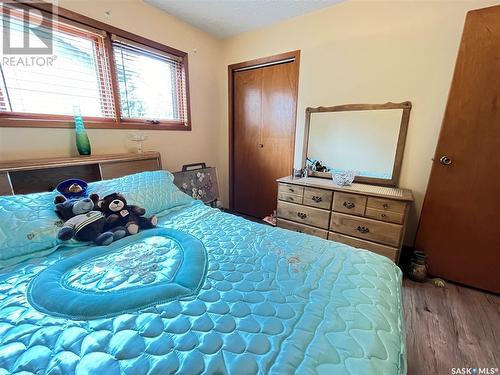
x=28 y=60
x=27 y=37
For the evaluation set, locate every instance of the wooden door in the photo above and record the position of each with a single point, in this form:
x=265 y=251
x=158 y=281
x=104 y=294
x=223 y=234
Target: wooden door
x=247 y=166
x=263 y=134
x=460 y=223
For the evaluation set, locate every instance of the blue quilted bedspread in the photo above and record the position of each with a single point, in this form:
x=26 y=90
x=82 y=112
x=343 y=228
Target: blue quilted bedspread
x=269 y=301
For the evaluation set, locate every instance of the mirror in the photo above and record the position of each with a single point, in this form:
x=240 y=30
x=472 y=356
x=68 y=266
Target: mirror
x=366 y=138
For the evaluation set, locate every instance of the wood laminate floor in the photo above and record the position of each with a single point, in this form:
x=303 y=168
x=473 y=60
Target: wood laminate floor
x=450 y=327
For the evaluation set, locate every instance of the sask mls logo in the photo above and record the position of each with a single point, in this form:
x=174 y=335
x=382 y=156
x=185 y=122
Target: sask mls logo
x=474 y=370
x=25 y=31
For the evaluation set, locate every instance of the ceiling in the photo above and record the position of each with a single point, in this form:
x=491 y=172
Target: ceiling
x=225 y=18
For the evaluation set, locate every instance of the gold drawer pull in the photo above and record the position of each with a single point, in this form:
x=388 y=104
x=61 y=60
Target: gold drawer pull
x=317 y=199
x=301 y=215
x=386 y=206
x=349 y=205
x=383 y=215
x=363 y=230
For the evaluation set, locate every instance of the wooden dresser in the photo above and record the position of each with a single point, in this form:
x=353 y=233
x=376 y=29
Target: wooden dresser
x=361 y=215
x=35 y=175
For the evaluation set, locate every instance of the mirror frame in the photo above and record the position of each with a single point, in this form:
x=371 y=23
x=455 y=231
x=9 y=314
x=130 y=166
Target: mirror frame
x=403 y=130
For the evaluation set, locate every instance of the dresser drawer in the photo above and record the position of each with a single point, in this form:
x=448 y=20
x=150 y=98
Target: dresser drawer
x=389 y=216
x=367 y=229
x=290 y=189
x=302 y=214
x=386 y=204
x=301 y=228
x=349 y=203
x=317 y=198
x=294 y=198
x=389 y=252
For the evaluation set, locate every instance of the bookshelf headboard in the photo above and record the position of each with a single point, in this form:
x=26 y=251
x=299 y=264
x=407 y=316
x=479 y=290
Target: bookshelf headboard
x=37 y=175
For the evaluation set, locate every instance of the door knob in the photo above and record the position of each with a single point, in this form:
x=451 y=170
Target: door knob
x=445 y=160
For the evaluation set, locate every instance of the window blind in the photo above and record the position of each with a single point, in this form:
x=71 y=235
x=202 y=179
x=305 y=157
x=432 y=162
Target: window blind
x=152 y=83
x=76 y=74
x=118 y=79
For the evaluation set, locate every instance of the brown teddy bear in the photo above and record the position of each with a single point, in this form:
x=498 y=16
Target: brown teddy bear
x=84 y=222
x=119 y=213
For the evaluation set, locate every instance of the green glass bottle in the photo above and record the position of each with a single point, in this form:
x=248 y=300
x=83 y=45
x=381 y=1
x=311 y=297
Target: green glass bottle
x=82 y=140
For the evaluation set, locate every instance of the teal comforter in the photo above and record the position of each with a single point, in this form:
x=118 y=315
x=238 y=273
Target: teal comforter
x=268 y=301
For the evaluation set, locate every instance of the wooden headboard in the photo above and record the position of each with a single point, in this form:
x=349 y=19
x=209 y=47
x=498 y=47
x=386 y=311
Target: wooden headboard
x=36 y=175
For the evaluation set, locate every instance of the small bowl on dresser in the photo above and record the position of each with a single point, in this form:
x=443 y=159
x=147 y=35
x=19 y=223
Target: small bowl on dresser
x=344 y=178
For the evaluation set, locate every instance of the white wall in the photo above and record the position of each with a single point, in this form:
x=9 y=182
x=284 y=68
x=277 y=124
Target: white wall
x=372 y=52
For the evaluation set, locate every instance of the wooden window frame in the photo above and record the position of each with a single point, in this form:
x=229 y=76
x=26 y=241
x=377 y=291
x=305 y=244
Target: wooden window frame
x=34 y=120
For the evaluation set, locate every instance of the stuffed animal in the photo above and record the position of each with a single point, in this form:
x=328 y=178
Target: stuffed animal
x=84 y=222
x=75 y=188
x=119 y=213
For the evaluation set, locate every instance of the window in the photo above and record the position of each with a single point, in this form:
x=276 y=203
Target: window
x=151 y=84
x=119 y=80
x=77 y=77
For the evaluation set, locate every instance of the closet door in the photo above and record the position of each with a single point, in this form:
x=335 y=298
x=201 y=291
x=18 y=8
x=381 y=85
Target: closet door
x=460 y=222
x=247 y=160
x=263 y=134
x=277 y=129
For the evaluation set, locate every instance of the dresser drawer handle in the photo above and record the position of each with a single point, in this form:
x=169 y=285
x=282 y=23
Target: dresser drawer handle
x=361 y=229
x=349 y=205
x=317 y=199
x=291 y=190
x=301 y=215
x=383 y=215
x=386 y=206
x=290 y=198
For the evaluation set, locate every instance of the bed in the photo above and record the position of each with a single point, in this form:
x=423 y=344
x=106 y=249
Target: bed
x=204 y=292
